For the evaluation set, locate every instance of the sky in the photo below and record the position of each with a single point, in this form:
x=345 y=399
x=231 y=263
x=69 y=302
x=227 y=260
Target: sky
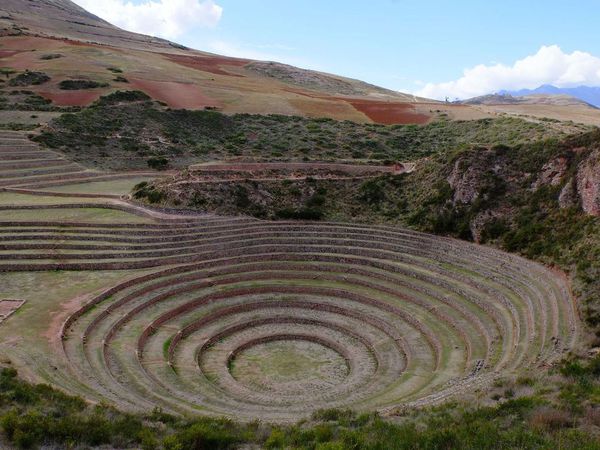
x=432 y=48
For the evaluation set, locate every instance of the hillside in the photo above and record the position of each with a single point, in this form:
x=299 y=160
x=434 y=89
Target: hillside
x=80 y=57
x=125 y=131
x=64 y=42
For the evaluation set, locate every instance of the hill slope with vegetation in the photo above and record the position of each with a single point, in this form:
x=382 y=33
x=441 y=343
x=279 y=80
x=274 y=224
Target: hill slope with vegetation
x=34 y=416
x=126 y=130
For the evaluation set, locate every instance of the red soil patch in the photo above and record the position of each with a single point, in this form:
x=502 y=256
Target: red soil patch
x=390 y=113
x=210 y=64
x=175 y=94
x=52 y=333
x=9 y=53
x=72 y=98
x=8 y=306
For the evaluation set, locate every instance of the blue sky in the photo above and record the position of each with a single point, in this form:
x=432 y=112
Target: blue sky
x=399 y=44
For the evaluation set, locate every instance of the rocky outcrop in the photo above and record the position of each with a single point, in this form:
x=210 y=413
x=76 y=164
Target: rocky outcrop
x=568 y=195
x=584 y=187
x=588 y=183
x=552 y=172
x=464 y=182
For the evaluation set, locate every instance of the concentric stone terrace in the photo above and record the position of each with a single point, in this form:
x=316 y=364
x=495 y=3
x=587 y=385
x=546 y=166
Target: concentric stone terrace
x=272 y=320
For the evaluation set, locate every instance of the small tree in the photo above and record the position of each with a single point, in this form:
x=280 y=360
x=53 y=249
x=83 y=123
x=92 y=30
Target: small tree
x=158 y=162
x=7 y=71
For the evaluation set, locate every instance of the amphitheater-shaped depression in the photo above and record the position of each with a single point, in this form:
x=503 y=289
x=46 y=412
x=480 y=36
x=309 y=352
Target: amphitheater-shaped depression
x=254 y=319
x=247 y=318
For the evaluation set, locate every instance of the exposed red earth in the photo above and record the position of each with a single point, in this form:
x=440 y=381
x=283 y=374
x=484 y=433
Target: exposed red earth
x=211 y=64
x=7 y=53
x=385 y=112
x=72 y=98
x=390 y=113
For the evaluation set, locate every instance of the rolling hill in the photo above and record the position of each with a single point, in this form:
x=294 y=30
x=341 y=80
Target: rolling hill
x=65 y=42
x=530 y=99
x=587 y=94
x=76 y=57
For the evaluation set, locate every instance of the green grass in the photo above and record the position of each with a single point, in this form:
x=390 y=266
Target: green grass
x=32 y=415
x=95 y=215
x=10 y=198
x=283 y=361
x=100 y=187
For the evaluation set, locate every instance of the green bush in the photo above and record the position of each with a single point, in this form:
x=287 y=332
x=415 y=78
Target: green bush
x=158 y=162
x=299 y=214
x=28 y=78
x=74 y=85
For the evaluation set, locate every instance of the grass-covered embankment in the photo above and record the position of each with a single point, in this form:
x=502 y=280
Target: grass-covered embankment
x=36 y=415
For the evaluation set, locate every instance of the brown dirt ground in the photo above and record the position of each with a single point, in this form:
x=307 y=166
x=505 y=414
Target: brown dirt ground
x=211 y=64
x=249 y=167
x=52 y=333
x=8 y=306
x=9 y=53
x=175 y=94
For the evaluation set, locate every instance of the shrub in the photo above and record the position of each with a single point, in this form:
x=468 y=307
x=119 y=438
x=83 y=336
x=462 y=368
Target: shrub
x=73 y=85
x=371 y=192
x=28 y=78
x=158 y=162
x=299 y=214
x=550 y=419
x=50 y=56
x=208 y=435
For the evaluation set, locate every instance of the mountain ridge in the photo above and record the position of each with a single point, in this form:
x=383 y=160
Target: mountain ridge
x=589 y=94
x=529 y=99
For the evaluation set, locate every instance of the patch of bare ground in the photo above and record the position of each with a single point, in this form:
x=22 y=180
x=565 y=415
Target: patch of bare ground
x=9 y=307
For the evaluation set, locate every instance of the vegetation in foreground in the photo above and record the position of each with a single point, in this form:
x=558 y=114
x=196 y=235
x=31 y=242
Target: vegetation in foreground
x=38 y=415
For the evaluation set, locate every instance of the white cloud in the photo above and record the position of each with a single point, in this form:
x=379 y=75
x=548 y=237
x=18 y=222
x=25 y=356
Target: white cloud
x=164 y=18
x=550 y=65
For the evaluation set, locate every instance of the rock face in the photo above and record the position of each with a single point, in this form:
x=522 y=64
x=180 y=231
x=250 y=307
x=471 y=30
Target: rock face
x=552 y=172
x=568 y=195
x=588 y=184
x=464 y=182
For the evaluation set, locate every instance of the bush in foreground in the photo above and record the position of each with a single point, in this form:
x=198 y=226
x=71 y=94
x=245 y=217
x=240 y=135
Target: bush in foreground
x=38 y=415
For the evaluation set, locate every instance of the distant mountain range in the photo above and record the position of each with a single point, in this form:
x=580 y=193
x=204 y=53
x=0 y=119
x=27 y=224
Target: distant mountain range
x=588 y=94
x=530 y=99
